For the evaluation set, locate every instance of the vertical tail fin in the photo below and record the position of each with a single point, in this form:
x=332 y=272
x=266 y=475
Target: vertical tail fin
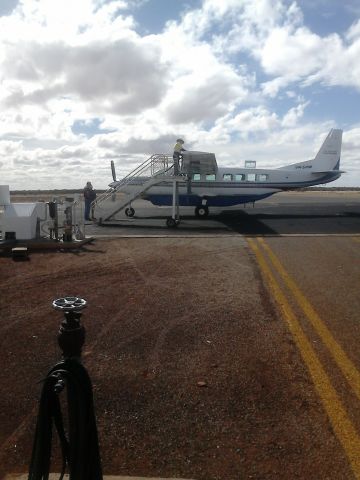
x=328 y=157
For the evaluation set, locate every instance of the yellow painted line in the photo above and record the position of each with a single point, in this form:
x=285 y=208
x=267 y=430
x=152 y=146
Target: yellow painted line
x=355 y=239
x=343 y=428
x=347 y=367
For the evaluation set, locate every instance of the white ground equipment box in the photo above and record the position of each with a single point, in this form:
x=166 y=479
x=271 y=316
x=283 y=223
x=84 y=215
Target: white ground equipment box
x=4 y=195
x=19 y=218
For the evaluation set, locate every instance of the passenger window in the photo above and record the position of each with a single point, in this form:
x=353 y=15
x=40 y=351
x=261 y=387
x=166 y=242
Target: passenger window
x=251 y=177
x=262 y=177
x=210 y=177
x=227 y=177
x=239 y=177
x=196 y=177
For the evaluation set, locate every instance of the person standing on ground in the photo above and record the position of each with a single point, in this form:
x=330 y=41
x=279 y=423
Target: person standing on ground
x=177 y=154
x=89 y=196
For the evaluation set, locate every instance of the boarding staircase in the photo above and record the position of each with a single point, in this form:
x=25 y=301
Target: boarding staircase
x=154 y=170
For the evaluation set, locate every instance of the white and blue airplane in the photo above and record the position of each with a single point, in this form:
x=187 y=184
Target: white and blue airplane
x=205 y=185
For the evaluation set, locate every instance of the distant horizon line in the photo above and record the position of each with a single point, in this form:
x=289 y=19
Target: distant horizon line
x=101 y=190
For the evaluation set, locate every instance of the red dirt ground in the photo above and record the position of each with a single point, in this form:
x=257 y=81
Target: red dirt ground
x=163 y=315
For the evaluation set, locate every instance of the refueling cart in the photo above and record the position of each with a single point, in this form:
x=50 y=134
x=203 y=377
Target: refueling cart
x=53 y=224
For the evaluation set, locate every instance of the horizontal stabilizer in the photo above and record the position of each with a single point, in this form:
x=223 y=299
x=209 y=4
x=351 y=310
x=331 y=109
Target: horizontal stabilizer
x=328 y=171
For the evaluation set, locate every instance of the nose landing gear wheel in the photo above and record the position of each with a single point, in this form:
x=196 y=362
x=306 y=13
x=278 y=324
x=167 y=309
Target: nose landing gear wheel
x=171 y=223
x=202 y=211
x=129 y=212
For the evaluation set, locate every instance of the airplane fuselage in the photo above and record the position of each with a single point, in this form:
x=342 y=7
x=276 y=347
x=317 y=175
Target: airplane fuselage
x=233 y=186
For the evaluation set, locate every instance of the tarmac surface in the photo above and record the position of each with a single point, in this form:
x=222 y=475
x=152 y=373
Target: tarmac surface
x=224 y=349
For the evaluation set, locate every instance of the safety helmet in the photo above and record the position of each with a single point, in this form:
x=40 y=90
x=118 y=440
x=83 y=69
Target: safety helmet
x=180 y=140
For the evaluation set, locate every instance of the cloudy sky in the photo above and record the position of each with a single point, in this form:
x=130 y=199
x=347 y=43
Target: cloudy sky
x=87 y=81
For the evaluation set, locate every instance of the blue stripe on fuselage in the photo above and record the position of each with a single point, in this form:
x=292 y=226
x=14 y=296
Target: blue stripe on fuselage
x=195 y=200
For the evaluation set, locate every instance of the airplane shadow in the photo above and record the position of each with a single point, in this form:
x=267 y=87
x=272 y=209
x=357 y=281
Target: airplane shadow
x=304 y=223
x=278 y=220
x=140 y=223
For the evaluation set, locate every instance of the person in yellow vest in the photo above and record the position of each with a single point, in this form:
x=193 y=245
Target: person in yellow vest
x=177 y=155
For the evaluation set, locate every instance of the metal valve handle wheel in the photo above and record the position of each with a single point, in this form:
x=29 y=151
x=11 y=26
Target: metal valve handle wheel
x=69 y=304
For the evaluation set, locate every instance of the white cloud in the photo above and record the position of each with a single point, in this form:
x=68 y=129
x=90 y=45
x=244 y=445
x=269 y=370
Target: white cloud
x=292 y=117
x=291 y=54
x=353 y=33
x=273 y=33
x=206 y=100
x=122 y=77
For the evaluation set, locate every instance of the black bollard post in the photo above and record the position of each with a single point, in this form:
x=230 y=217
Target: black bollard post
x=79 y=446
x=71 y=334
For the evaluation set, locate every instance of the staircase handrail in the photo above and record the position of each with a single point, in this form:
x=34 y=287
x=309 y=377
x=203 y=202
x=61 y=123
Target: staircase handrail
x=140 y=168
x=135 y=174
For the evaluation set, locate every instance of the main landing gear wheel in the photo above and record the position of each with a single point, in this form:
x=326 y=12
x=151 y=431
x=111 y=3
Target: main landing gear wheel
x=129 y=212
x=202 y=211
x=171 y=223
